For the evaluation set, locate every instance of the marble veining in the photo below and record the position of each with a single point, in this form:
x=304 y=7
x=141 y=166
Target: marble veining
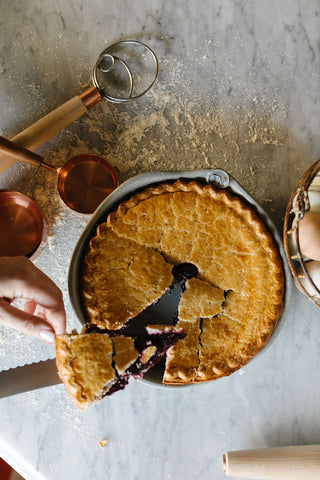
x=238 y=89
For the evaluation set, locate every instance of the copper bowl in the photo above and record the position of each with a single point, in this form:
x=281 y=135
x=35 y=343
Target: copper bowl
x=85 y=181
x=21 y=225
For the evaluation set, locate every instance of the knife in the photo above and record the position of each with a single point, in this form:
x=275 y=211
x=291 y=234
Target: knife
x=28 y=377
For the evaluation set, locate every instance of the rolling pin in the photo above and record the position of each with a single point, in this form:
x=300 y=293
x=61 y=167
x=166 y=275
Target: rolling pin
x=52 y=123
x=281 y=463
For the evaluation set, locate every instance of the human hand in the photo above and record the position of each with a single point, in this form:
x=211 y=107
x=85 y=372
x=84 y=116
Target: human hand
x=20 y=278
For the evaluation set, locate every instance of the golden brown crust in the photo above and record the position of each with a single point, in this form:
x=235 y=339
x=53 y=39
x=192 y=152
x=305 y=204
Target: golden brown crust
x=237 y=294
x=124 y=352
x=84 y=364
x=154 y=328
x=148 y=353
x=182 y=360
x=200 y=300
x=120 y=278
x=225 y=347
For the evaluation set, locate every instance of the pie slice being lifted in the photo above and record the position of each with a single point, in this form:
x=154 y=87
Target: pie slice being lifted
x=97 y=363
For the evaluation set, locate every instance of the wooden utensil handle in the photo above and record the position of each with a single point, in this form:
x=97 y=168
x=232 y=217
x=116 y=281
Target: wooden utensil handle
x=55 y=121
x=17 y=152
x=282 y=463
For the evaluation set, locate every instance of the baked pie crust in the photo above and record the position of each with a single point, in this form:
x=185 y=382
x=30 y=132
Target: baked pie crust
x=227 y=313
x=84 y=364
x=97 y=363
x=121 y=278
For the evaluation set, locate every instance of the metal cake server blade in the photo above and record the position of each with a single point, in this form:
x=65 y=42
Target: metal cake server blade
x=28 y=377
x=164 y=312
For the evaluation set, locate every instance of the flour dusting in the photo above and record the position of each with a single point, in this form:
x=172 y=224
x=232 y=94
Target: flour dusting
x=175 y=126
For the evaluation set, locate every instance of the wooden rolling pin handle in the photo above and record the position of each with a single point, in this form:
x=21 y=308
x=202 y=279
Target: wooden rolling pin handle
x=282 y=463
x=55 y=121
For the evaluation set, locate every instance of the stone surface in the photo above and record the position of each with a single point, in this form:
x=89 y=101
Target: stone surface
x=238 y=89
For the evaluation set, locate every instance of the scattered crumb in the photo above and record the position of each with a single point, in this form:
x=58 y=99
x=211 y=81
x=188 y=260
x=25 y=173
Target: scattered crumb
x=147 y=354
x=103 y=442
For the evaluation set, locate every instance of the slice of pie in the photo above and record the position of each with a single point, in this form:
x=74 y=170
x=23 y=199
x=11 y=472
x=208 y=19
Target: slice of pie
x=84 y=364
x=121 y=278
x=97 y=363
x=228 y=311
x=199 y=300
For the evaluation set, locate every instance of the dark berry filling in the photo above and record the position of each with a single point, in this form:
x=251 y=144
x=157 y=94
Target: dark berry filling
x=120 y=384
x=184 y=271
x=162 y=342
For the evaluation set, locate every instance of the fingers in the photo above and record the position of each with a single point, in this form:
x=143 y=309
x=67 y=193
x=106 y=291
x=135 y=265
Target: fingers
x=20 y=278
x=25 y=322
x=30 y=307
x=41 y=312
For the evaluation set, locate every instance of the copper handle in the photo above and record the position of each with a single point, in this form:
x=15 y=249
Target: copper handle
x=90 y=97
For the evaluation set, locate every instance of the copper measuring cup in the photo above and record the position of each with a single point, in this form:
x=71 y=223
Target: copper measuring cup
x=21 y=225
x=83 y=181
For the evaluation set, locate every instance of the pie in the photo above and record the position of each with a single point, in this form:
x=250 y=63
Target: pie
x=230 y=304
x=97 y=363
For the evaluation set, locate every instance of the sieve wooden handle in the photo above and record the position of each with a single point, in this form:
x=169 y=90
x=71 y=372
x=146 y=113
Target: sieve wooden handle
x=282 y=463
x=52 y=123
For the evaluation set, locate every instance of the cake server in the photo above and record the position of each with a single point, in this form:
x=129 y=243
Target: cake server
x=123 y=72
x=281 y=463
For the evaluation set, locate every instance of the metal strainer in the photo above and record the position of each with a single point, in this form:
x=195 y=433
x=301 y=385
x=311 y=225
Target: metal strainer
x=129 y=68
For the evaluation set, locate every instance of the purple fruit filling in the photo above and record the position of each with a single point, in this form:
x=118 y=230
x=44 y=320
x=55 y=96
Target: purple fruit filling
x=162 y=342
x=138 y=369
x=184 y=271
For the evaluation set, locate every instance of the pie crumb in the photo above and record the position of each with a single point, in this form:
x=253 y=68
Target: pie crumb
x=103 y=442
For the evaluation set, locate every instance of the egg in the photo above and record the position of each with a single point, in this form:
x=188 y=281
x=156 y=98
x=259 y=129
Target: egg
x=309 y=235
x=313 y=268
x=314 y=200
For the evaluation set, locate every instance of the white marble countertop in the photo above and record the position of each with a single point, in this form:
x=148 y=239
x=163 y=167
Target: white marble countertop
x=238 y=89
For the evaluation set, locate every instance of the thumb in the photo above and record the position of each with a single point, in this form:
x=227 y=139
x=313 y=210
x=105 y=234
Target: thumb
x=25 y=322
